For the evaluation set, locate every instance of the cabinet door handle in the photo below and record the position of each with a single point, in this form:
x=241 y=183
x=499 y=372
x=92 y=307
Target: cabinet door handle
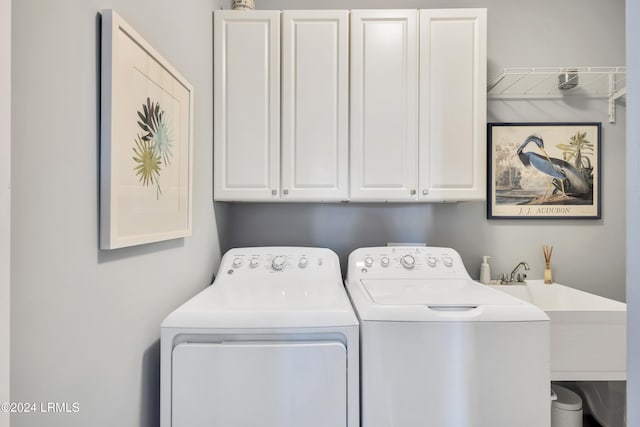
x=285 y=192
x=413 y=192
x=274 y=192
x=425 y=192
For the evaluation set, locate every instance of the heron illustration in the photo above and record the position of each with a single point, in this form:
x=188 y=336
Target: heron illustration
x=553 y=168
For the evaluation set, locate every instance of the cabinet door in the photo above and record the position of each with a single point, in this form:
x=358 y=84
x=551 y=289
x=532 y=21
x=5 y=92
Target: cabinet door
x=453 y=67
x=315 y=111
x=384 y=105
x=246 y=103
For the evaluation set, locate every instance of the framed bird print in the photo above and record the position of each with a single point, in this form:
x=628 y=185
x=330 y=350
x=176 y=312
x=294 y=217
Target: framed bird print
x=544 y=170
x=146 y=147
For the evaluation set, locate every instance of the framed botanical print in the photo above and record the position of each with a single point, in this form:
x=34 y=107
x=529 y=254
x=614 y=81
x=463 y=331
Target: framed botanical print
x=146 y=152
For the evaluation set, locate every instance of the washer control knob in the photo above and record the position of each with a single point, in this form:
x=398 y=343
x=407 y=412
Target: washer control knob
x=408 y=261
x=368 y=261
x=278 y=263
x=253 y=263
x=304 y=261
x=237 y=263
x=431 y=261
x=384 y=261
x=447 y=261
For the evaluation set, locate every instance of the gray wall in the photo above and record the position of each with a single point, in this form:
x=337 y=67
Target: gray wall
x=588 y=254
x=5 y=201
x=633 y=219
x=85 y=323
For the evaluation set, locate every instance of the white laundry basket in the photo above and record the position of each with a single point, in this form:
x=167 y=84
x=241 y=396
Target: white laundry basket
x=566 y=410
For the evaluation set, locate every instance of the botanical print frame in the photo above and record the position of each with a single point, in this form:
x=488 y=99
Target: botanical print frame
x=544 y=170
x=146 y=151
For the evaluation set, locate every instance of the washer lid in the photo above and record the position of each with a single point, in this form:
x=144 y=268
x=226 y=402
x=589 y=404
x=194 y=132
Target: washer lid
x=437 y=300
x=434 y=292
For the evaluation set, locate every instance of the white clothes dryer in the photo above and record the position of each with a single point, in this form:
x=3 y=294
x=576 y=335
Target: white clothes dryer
x=439 y=349
x=273 y=342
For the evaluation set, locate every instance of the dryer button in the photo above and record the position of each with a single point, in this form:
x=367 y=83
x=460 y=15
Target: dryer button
x=303 y=262
x=237 y=263
x=278 y=263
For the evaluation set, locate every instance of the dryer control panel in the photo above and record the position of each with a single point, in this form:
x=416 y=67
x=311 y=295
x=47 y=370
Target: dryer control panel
x=257 y=260
x=422 y=262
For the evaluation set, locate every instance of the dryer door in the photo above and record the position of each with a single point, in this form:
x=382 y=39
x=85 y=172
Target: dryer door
x=266 y=384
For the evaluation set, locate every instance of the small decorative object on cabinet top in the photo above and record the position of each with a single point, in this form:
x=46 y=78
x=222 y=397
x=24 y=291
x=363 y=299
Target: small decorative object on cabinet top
x=243 y=5
x=544 y=171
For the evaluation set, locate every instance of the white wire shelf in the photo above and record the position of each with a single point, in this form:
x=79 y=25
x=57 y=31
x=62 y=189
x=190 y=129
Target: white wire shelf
x=558 y=82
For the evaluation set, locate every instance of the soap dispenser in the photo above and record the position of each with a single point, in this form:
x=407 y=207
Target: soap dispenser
x=485 y=271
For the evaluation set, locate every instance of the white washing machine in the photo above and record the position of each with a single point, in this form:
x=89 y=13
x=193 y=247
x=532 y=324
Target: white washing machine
x=273 y=342
x=439 y=349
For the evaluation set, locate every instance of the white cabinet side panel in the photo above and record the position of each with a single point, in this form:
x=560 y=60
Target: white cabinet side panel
x=384 y=105
x=315 y=112
x=452 y=104
x=275 y=384
x=246 y=104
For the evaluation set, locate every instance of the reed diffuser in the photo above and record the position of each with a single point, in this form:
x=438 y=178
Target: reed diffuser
x=547 y=251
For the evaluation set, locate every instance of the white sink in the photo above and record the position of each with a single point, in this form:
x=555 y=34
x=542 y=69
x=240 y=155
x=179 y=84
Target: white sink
x=588 y=332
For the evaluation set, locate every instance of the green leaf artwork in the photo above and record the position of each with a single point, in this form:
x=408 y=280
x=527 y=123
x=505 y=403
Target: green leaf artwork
x=148 y=163
x=152 y=146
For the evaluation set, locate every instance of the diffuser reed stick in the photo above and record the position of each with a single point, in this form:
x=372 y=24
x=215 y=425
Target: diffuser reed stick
x=547 y=251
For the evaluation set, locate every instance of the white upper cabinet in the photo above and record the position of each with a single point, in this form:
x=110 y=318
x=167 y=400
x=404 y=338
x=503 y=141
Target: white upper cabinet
x=246 y=105
x=384 y=105
x=315 y=110
x=370 y=105
x=434 y=151
x=453 y=89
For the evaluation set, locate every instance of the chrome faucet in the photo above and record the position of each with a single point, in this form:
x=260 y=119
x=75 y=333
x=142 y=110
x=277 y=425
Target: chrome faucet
x=515 y=277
